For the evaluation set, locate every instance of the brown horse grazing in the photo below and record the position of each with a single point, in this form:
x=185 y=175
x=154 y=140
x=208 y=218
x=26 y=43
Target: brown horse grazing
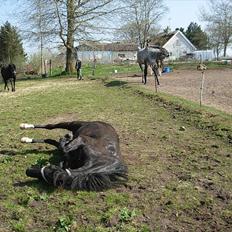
x=91 y=157
x=9 y=74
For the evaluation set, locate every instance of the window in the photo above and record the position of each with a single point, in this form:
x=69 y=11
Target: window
x=121 y=55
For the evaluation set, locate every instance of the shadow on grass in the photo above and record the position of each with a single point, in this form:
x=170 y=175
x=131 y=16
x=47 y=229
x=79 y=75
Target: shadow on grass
x=116 y=83
x=40 y=185
x=25 y=152
x=54 y=159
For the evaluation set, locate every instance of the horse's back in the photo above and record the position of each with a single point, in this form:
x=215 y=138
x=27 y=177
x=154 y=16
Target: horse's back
x=97 y=128
x=8 y=71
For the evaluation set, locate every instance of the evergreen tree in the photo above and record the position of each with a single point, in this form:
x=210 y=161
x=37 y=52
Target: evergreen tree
x=180 y=29
x=11 y=48
x=198 y=37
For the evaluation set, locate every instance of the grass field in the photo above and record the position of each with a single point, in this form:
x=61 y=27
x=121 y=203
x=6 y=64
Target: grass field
x=179 y=159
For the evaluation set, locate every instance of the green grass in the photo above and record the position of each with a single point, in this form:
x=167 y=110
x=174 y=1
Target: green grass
x=104 y=71
x=193 y=65
x=179 y=180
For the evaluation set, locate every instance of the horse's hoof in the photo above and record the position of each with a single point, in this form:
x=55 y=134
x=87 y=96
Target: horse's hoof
x=26 y=126
x=34 y=171
x=26 y=140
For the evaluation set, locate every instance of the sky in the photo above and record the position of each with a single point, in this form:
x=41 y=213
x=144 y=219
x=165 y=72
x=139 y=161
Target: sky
x=7 y=9
x=180 y=14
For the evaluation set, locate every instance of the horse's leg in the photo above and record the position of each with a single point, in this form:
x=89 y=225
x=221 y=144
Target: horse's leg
x=54 y=174
x=48 y=141
x=155 y=70
x=159 y=67
x=145 y=73
x=141 y=67
x=11 y=83
x=6 y=85
x=14 y=84
x=47 y=173
x=71 y=126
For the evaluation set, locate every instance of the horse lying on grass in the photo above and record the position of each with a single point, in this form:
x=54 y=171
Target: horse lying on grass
x=91 y=157
x=9 y=74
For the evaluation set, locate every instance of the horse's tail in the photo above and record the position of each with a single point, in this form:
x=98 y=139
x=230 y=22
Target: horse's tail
x=95 y=180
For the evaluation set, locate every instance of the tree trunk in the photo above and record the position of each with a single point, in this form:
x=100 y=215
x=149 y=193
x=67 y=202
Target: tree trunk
x=224 y=50
x=226 y=42
x=70 y=36
x=69 y=60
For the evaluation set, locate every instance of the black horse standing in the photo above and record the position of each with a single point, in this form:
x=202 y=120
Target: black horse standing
x=9 y=74
x=91 y=158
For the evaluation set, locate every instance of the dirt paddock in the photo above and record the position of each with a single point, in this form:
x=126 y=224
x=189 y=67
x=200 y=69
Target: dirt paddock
x=186 y=83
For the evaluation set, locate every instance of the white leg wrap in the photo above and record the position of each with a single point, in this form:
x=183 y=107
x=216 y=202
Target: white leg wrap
x=42 y=173
x=69 y=173
x=26 y=140
x=26 y=126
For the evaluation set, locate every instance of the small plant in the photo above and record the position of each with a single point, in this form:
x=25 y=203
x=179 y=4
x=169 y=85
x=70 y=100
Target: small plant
x=126 y=215
x=43 y=197
x=63 y=224
x=19 y=226
x=41 y=162
x=6 y=160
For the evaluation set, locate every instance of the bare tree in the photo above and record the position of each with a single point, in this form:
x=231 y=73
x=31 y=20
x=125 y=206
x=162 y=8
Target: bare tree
x=35 y=26
x=219 y=18
x=68 y=21
x=140 y=18
x=215 y=40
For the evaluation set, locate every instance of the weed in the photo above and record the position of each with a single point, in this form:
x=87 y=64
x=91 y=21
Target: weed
x=64 y=224
x=126 y=215
x=6 y=160
x=19 y=226
x=41 y=162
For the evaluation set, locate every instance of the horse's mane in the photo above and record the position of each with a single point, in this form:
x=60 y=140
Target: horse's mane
x=102 y=179
x=155 y=46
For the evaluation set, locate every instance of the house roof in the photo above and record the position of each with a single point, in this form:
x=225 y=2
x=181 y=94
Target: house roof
x=96 y=46
x=164 y=38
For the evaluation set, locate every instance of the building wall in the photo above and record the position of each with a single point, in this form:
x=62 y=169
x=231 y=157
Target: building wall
x=105 y=56
x=204 y=55
x=177 y=46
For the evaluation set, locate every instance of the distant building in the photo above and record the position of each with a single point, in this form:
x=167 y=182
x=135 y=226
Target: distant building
x=204 y=55
x=106 y=52
x=178 y=46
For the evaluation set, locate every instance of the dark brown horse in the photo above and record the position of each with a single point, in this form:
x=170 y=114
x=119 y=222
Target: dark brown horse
x=9 y=74
x=91 y=157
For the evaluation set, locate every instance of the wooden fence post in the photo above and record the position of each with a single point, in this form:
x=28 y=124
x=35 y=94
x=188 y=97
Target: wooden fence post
x=201 y=67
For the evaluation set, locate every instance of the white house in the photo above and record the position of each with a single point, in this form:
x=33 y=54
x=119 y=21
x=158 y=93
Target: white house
x=177 y=44
x=106 y=52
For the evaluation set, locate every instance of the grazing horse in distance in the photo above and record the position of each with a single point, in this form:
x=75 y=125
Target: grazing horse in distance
x=91 y=158
x=152 y=56
x=9 y=74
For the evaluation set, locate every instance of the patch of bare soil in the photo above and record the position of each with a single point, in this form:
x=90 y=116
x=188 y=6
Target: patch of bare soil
x=186 y=83
x=41 y=86
x=67 y=117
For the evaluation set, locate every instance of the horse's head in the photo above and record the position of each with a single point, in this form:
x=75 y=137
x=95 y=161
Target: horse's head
x=164 y=53
x=12 y=68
